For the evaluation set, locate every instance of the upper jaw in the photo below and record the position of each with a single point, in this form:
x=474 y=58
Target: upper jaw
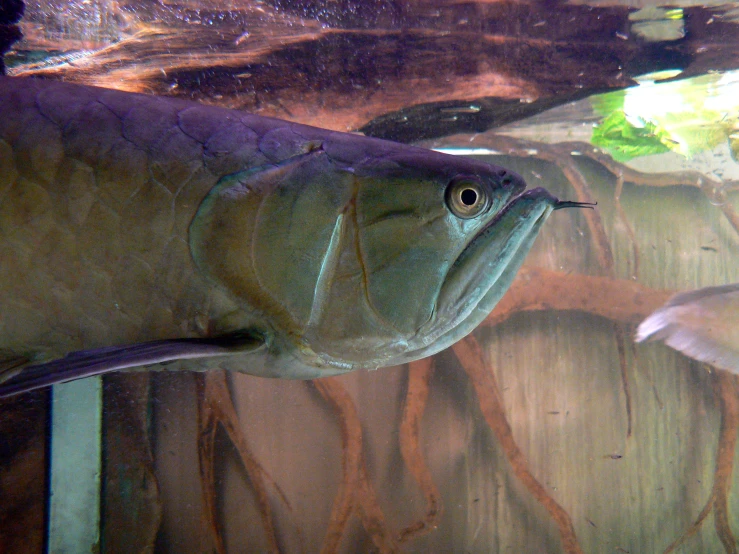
x=539 y=193
x=521 y=206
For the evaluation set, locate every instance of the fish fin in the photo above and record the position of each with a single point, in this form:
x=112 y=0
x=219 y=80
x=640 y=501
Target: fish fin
x=697 y=295
x=688 y=322
x=11 y=364
x=704 y=350
x=86 y=363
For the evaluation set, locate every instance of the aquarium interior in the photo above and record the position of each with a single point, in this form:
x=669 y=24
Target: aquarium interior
x=548 y=429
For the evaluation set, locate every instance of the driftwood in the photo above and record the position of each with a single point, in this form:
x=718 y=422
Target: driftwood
x=401 y=70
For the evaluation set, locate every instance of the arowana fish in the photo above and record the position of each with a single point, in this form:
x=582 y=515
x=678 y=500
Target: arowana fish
x=702 y=324
x=139 y=231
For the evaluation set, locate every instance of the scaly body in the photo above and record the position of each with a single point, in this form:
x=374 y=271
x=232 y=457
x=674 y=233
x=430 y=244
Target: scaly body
x=97 y=191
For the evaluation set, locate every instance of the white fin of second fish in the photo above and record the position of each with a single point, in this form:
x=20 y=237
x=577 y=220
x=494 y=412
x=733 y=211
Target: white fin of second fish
x=702 y=324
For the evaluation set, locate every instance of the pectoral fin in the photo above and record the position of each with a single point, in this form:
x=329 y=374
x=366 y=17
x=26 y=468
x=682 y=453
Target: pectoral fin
x=17 y=378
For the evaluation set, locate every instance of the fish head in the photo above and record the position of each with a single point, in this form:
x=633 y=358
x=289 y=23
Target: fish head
x=369 y=260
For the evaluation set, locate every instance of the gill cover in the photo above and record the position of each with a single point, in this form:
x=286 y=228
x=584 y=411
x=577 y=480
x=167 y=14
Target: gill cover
x=367 y=265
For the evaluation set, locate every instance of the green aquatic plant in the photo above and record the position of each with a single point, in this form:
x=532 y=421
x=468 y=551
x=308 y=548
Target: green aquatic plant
x=660 y=115
x=625 y=141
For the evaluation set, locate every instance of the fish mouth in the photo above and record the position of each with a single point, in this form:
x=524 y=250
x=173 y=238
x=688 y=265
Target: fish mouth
x=538 y=195
x=485 y=268
x=502 y=244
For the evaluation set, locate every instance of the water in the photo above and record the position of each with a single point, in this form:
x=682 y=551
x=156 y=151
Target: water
x=566 y=437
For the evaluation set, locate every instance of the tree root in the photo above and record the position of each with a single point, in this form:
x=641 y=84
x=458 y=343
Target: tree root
x=538 y=289
x=356 y=490
x=131 y=519
x=561 y=155
x=419 y=374
x=215 y=407
x=534 y=289
x=471 y=357
x=726 y=387
x=633 y=270
x=711 y=188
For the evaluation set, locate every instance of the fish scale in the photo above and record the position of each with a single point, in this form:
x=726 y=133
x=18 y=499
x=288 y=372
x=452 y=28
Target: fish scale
x=97 y=248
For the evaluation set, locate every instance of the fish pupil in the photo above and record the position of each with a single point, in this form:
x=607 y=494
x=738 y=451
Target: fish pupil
x=468 y=197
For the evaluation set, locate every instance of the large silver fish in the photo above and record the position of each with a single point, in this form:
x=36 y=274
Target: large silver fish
x=138 y=231
x=702 y=324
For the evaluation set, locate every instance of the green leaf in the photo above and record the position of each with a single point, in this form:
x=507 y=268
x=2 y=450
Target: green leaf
x=624 y=141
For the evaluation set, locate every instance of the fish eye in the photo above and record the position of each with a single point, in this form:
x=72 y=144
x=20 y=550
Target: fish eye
x=466 y=198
